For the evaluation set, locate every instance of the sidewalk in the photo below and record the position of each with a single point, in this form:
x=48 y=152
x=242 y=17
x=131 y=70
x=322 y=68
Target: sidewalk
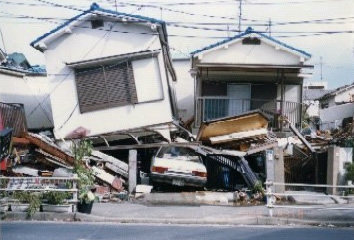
x=224 y=215
x=185 y=208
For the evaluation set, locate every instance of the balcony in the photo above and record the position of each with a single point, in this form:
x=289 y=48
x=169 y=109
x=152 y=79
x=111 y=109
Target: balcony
x=210 y=108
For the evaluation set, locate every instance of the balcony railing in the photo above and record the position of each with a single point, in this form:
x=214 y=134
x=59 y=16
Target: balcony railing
x=210 y=108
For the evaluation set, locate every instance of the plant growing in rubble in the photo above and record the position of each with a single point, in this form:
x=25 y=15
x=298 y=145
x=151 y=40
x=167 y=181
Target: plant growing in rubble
x=258 y=188
x=85 y=175
x=56 y=198
x=32 y=198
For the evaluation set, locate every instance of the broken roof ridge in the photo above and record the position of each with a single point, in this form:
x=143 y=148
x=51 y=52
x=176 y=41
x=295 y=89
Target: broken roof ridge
x=95 y=7
x=337 y=90
x=250 y=30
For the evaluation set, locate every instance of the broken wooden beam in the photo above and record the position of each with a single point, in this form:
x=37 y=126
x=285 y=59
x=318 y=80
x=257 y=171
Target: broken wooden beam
x=112 y=163
x=106 y=177
x=49 y=147
x=302 y=139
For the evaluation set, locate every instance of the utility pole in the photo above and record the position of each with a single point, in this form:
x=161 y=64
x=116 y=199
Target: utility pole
x=115 y=3
x=3 y=42
x=240 y=16
x=321 y=63
x=270 y=27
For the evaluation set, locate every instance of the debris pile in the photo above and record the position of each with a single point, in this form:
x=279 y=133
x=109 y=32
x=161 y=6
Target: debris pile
x=35 y=155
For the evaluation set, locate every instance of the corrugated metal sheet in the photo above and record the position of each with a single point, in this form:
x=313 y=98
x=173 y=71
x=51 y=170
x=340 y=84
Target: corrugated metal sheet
x=12 y=115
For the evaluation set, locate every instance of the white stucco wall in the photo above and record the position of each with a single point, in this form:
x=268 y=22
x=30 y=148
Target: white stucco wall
x=345 y=96
x=30 y=91
x=314 y=108
x=184 y=88
x=86 y=43
x=292 y=93
x=332 y=117
x=250 y=54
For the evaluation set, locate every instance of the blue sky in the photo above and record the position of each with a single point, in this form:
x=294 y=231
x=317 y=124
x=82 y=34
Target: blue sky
x=324 y=28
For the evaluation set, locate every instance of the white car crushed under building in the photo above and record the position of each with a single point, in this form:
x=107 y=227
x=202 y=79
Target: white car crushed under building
x=178 y=166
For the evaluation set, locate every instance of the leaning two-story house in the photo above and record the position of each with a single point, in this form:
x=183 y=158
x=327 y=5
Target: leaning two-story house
x=110 y=72
x=249 y=71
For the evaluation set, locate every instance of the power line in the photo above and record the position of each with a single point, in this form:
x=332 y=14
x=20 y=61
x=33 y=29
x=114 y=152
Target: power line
x=77 y=8
x=193 y=27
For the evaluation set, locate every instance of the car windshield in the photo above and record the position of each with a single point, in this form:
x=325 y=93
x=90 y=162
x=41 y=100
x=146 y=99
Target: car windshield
x=178 y=153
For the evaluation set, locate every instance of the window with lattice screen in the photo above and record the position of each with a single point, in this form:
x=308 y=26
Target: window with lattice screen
x=105 y=86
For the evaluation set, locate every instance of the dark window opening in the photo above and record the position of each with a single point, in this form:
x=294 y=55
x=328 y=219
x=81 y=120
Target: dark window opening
x=324 y=105
x=107 y=86
x=97 y=23
x=251 y=41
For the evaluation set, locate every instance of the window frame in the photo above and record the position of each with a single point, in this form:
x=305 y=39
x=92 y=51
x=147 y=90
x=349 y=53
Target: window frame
x=127 y=80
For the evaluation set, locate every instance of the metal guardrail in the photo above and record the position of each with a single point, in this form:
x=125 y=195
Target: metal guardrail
x=40 y=184
x=271 y=203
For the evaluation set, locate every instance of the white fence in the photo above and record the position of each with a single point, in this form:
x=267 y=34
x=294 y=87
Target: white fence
x=40 y=184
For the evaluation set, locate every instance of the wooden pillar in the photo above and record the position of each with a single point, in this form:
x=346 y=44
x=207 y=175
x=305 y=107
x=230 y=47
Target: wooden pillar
x=132 y=171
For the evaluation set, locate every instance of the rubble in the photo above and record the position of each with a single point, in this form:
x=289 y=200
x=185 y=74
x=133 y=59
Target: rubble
x=247 y=132
x=224 y=145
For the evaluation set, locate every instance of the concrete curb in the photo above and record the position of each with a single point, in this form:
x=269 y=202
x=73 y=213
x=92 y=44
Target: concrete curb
x=258 y=220
x=39 y=216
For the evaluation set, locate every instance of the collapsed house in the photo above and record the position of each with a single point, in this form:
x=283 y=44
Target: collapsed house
x=26 y=84
x=120 y=79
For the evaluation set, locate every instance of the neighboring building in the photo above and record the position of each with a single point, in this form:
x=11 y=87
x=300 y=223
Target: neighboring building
x=110 y=72
x=336 y=106
x=341 y=95
x=316 y=85
x=249 y=71
x=23 y=84
x=311 y=92
x=184 y=88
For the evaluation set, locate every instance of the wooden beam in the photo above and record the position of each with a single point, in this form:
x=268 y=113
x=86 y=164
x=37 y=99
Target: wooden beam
x=148 y=145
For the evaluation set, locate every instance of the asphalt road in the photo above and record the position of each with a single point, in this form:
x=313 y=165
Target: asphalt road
x=85 y=231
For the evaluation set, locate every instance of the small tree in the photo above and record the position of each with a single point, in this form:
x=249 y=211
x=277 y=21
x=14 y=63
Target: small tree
x=350 y=172
x=81 y=150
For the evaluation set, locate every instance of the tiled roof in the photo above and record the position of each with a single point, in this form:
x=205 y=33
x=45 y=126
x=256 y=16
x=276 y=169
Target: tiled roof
x=249 y=30
x=94 y=8
x=335 y=91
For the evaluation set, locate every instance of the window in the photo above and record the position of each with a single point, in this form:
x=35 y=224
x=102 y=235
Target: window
x=251 y=41
x=105 y=86
x=97 y=23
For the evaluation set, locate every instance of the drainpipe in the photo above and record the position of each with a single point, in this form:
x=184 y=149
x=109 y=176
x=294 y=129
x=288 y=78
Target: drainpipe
x=193 y=72
x=168 y=64
x=281 y=100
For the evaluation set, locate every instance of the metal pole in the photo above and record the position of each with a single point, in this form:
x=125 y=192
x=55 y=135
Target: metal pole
x=75 y=194
x=240 y=16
